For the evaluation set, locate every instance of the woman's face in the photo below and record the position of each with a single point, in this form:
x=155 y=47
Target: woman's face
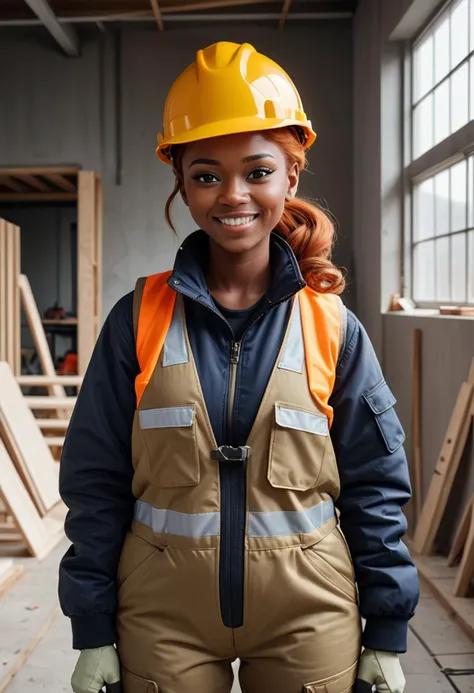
x=235 y=187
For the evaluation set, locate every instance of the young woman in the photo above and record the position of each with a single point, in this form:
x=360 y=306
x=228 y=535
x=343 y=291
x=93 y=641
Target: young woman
x=234 y=466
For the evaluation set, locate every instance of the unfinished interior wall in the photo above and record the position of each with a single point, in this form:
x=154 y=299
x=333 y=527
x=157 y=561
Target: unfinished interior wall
x=448 y=342
x=102 y=111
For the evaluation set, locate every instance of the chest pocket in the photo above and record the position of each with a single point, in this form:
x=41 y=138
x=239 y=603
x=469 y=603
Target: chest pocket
x=297 y=448
x=169 y=436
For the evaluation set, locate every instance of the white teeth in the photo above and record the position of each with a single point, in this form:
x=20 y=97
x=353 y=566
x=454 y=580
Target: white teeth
x=237 y=221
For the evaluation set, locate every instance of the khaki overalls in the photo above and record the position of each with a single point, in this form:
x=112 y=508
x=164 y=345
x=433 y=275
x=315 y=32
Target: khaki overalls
x=301 y=629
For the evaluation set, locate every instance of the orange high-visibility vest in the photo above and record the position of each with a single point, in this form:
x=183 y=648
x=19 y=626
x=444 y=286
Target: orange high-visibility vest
x=323 y=322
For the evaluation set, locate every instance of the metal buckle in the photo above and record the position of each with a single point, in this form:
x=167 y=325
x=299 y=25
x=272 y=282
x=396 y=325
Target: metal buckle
x=226 y=453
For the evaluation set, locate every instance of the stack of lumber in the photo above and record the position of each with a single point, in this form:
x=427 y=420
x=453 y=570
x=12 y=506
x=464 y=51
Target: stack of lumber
x=450 y=577
x=28 y=475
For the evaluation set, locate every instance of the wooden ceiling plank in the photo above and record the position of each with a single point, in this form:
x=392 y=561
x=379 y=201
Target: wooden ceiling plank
x=209 y=5
x=37 y=197
x=36 y=183
x=12 y=184
x=39 y=170
x=60 y=181
x=284 y=14
x=63 y=34
x=157 y=13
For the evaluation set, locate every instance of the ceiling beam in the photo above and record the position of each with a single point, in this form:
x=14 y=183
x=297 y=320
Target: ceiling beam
x=12 y=184
x=284 y=14
x=63 y=34
x=36 y=183
x=157 y=13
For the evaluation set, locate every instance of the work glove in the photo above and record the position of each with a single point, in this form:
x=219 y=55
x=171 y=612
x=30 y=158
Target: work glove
x=380 y=669
x=95 y=669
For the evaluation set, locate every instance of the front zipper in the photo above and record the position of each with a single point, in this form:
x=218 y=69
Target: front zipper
x=233 y=483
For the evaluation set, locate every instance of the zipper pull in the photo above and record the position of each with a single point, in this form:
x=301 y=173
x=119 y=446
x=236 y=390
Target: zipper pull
x=235 y=352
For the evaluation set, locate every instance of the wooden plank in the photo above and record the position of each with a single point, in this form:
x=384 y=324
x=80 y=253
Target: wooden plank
x=39 y=170
x=98 y=287
x=16 y=241
x=284 y=14
x=53 y=424
x=37 y=183
x=34 y=457
x=16 y=498
x=43 y=380
x=61 y=182
x=50 y=402
x=416 y=425
x=10 y=269
x=39 y=337
x=38 y=197
x=463 y=547
x=9 y=575
x=445 y=471
x=86 y=229
x=157 y=13
x=55 y=441
x=3 y=290
x=12 y=184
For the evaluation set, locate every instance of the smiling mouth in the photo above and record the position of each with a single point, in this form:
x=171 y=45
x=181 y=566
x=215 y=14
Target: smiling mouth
x=237 y=221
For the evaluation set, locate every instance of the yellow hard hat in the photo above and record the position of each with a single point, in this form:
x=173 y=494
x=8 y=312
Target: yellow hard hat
x=230 y=88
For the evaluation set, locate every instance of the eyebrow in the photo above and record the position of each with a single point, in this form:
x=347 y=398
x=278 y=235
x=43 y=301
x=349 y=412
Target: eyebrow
x=214 y=162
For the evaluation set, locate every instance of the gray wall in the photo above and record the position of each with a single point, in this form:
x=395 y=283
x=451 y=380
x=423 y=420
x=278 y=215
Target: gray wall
x=448 y=342
x=61 y=111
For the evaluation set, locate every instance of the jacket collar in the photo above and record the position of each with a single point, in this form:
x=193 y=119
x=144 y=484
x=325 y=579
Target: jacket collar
x=188 y=275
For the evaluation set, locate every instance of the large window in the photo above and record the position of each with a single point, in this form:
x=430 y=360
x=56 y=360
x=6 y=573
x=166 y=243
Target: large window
x=441 y=167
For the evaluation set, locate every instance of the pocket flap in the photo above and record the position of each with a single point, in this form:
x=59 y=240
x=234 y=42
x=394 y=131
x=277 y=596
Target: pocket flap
x=136 y=684
x=167 y=417
x=300 y=420
x=380 y=398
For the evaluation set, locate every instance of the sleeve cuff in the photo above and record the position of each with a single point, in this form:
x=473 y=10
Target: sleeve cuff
x=89 y=632
x=386 y=634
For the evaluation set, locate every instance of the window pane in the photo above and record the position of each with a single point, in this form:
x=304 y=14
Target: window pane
x=471 y=28
x=458 y=196
x=471 y=88
x=458 y=267
x=423 y=127
x=441 y=49
x=459 y=98
x=424 y=272
x=471 y=267
x=441 y=191
x=441 y=106
x=423 y=68
x=443 y=292
x=459 y=32
x=470 y=192
x=424 y=210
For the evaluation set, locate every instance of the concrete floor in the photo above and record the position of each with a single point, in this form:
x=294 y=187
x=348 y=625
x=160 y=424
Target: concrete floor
x=440 y=658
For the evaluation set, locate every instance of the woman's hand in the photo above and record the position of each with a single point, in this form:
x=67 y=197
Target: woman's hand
x=382 y=670
x=95 y=669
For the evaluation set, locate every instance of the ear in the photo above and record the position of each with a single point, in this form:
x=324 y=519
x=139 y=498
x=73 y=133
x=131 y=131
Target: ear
x=293 y=180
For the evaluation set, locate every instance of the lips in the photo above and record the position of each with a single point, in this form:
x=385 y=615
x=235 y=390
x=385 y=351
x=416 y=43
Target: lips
x=237 y=221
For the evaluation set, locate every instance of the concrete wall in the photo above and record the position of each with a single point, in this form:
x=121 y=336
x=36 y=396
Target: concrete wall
x=448 y=343
x=61 y=111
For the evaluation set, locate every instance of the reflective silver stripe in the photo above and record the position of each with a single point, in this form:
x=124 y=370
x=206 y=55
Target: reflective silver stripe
x=180 y=524
x=343 y=329
x=293 y=355
x=283 y=523
x=166 y=417
x=175 y=350
x=302 y=420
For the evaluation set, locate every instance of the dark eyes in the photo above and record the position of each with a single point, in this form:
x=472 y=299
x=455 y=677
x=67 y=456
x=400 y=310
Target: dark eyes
x=257 y=174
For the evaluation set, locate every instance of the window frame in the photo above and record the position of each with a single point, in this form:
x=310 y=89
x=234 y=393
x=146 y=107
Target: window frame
x=457 y=147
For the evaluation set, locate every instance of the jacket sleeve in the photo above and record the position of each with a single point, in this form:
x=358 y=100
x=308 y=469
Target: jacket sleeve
x=95 y=482
x=368 y=442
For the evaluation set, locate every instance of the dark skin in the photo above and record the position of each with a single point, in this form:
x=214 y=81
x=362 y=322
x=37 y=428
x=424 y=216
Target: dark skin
x=235 y=187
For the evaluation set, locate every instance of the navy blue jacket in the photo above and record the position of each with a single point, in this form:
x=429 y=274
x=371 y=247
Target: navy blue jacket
x=96 y=470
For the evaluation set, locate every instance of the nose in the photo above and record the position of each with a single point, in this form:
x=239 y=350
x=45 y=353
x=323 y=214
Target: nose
x=234 y=192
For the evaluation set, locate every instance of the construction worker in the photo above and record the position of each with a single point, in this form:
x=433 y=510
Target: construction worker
x=234 y=467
